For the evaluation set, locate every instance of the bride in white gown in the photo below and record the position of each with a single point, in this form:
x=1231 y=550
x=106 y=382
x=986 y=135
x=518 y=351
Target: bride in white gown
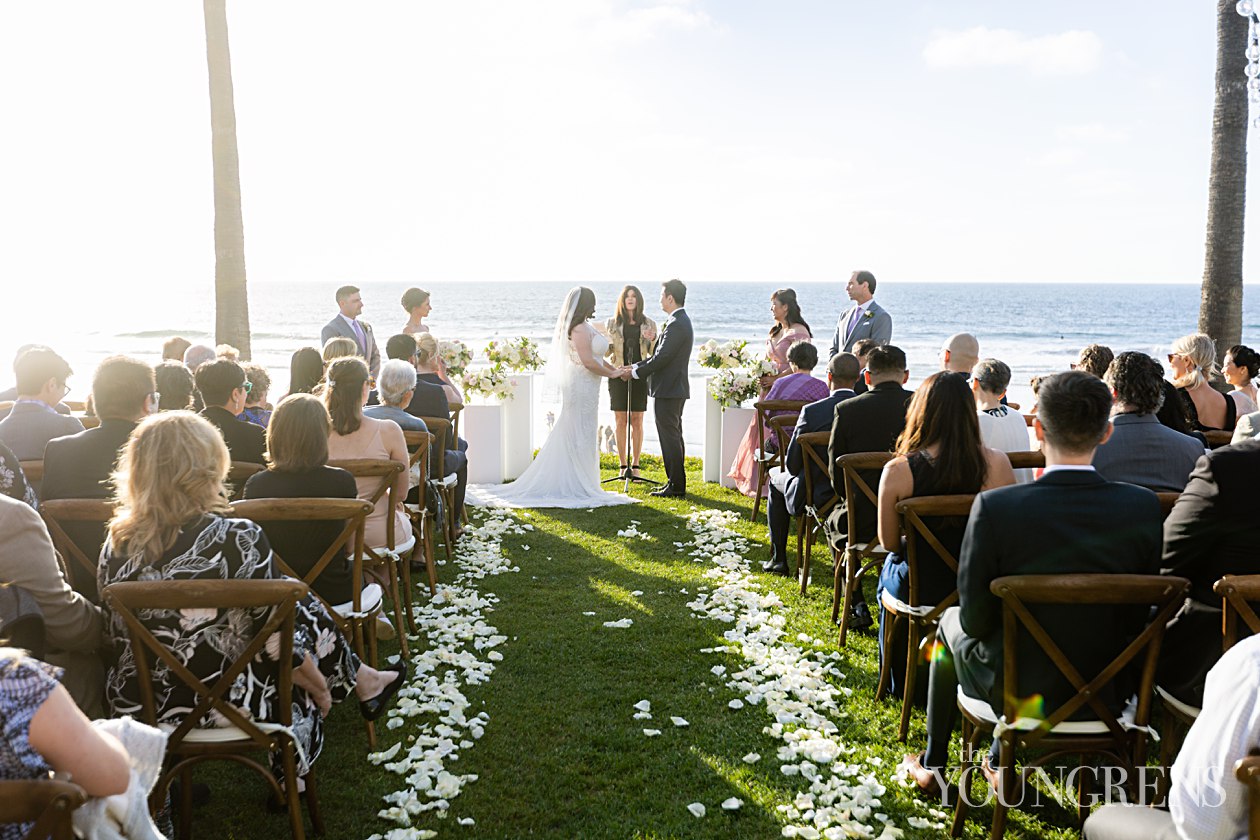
x=565 y=474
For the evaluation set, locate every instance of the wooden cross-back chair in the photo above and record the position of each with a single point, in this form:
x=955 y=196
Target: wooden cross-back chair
x=1217 y=438
x=920 y=618
x=444 y=484
x=89 y=421
x=420 y=444
x=764 y=458
x=190 y=743
x=1033 y=459
x=34 y=472
x=1103 y=733
x=382 y=558
x=46 y=803
x=808 y=523
x=55 y=512
x=858 y=558
x=455 y=413
x=239 y=473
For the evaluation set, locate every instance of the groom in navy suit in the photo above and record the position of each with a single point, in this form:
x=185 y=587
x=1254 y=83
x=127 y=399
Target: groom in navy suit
x=668 y=385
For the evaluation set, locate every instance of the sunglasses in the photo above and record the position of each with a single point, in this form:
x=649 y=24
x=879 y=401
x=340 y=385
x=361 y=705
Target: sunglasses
x=1172 y=356
x=247 y=385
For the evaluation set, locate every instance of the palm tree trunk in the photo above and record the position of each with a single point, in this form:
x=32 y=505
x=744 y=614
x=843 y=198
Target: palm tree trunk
x=1220 y=307
x=231 y=321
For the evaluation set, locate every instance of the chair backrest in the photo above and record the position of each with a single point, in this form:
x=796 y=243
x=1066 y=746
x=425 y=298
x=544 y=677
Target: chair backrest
x=782 y=426
x=1217 y=438
x=77 y=406
x=1029 y=419
x=1019 y=592
x=853 y=465
x=1247 y=771
x=1167 y=501
x=385 y=470
x=767 y=408
x=814 y=452
x=1032 y=460
x=89 y=421
x=47 y=803
x=419 y=445
x=130 y=599
x=913 y=511
x=443 y=430
x=455 y=412
x=353 y=511
x=34 y=471
x=1238 y=593
x=57 y=511
x=239 y=473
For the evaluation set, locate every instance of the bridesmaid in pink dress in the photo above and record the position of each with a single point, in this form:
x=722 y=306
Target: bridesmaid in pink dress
x=789 y=327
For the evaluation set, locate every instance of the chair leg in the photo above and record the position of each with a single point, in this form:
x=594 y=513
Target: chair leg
x=967 y=768
x=1007 y=783
x=887 y=626
x=837 y=585
x=185 y=804
x=757 y=494
x=850 y=580
x=404 y=571
x=395 y=595
x=429 y=565
x=1084 y=780
x=912 y=673
x=802 y=556
x=289 y=762
x=312 y=804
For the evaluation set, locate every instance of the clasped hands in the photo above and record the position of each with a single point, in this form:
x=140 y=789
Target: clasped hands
x=623 y=372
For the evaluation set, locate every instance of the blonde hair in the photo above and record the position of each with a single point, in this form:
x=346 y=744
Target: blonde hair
x=1201 y=351
x=297 y=436
x=426 y=349
x=171 y=470
x=339 y=346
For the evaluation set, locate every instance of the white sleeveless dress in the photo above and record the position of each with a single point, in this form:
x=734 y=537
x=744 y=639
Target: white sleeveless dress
x=565 y=474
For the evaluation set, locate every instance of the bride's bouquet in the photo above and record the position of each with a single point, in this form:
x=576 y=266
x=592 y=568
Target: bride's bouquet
x=730 y=354
x=491 y=382
x=733 y=385
x=518 y=354
x=455 y=355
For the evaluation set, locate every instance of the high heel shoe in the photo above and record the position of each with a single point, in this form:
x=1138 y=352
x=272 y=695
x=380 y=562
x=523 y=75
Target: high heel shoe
x=375 y=707
x=634 y=470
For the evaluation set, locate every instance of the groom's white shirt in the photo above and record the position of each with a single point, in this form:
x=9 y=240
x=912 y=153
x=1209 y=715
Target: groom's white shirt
x=634 y=371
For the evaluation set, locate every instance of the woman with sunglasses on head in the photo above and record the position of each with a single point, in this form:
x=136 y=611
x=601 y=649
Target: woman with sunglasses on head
x=1193 y=362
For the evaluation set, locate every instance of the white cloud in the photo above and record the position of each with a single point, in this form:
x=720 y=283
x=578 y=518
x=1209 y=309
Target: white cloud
x=1091 y=133
x=642 y=23
x=1072 y=53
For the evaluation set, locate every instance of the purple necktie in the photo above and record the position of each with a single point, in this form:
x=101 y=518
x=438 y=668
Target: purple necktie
x=358 y=331
x=857 y=312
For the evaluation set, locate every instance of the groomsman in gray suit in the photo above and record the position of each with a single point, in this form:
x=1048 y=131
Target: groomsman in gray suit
x=348 y=325
x=865 y=319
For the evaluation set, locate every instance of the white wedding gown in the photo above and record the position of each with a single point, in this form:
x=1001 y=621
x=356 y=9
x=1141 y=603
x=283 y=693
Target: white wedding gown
x=565 y=474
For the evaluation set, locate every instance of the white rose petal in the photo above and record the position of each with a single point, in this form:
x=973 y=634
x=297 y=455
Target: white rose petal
x=620 y=624
x=677 y=721
x=651 y=733
x=736 y=703
x=644 y=705
x=752 y=758
x=697 y=809
x=732 y=804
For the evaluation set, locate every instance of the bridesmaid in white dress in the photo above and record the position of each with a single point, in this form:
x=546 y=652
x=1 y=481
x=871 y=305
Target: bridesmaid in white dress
x=565 y=474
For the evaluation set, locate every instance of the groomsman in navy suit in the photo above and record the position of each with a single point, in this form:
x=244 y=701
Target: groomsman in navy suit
x=348 y=325
x=865 y=319
x=668 y=385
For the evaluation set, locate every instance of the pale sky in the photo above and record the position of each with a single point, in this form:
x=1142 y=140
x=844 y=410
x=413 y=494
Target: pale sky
x=773 y=142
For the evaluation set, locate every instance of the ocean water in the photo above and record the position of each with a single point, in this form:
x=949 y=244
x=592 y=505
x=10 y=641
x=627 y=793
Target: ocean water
x=1035 y=328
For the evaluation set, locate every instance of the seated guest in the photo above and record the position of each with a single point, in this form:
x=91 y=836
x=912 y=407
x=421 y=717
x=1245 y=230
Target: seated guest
x=174 y=386
x=72 y=625
x=34 y=420
x=396 y=386
x=1001 y=427
x=862 y=348
x=173 y=349
x=1063 y=523
x=1094 y=359
x=959 y=353
x=79 y=466
x=10 y=394
x=256 y=410
x=227 y=351
x=429 y=400
x=1248 y=427
x=1242 y=365
x=429 y=369
x=44 y=732
x=306 y=370
x=870 y=422
x=224 y=388
x=1212 y=531
x=338 y=347
x=172 y=525
x=1193 y=361
x=1141 y=450
x=297 y=466
x=13 y=481
x=787 y=484
x=939 y=453
x=196 y=356
x=356 y=436
x=1206 y=799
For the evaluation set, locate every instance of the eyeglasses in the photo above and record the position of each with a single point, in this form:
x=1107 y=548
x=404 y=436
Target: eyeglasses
x=247 y=385
x=372 y=383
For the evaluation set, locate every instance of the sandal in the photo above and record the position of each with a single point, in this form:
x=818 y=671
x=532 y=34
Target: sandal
x=634 y=471
x=374 y=708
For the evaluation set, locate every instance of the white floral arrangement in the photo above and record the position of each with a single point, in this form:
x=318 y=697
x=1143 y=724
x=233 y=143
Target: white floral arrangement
x=455 y=356
x=731 y=386
x=491 y=382
x=763 y=367
x=518 y=354
x=730 y=354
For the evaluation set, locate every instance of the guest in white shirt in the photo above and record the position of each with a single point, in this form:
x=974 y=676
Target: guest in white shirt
x=1001 y=427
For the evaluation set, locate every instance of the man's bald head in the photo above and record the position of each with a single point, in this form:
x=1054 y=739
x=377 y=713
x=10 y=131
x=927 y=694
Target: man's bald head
x=960 y=353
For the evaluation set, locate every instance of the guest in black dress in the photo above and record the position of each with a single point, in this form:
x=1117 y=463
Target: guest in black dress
x=631 y=339
x=297 y=467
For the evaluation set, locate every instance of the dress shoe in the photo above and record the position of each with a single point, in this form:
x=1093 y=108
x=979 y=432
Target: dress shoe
x=374 y=708
x=777 y=569
x=668 y=492
x=860 y=617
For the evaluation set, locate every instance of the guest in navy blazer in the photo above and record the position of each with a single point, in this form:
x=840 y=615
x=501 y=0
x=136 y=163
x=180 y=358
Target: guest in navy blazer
x=787 y=485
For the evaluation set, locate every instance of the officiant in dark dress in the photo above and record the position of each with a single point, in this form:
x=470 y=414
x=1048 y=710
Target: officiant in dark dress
x=631 y=339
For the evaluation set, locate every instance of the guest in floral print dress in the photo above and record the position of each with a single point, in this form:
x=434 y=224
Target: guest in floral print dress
x=13 y=481
x=171 y=525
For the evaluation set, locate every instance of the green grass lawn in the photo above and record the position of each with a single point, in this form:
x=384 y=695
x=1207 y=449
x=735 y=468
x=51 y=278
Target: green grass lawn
x=562 y=755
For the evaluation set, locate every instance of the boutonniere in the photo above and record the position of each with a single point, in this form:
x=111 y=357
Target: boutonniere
x=868 y=315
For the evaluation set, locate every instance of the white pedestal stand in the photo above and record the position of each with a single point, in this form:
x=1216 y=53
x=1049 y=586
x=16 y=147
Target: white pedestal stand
x=518 y=427
x=482 y=427
x=735 y=423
